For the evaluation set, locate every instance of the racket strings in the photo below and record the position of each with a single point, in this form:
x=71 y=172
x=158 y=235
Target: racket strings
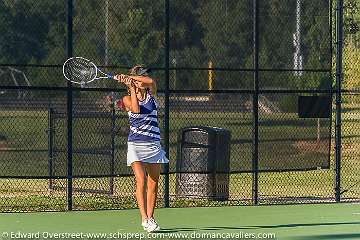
x=80 y=70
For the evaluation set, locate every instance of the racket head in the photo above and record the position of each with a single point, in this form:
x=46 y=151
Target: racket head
x=79 y=70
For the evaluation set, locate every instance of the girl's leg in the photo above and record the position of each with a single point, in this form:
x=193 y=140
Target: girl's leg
x=140 y=176
x=153 y=171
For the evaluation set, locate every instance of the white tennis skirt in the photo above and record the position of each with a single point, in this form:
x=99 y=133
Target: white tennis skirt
x=149 y=152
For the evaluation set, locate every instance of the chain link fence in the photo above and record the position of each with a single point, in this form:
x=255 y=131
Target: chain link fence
x=241 y=66
x=350 y=186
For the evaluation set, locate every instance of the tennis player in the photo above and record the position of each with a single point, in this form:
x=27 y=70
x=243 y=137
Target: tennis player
x=144 y=153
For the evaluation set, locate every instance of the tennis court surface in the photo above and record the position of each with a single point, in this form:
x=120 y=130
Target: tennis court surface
x=316 y=221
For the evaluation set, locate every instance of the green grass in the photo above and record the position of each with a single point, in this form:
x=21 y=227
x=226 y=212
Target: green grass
x=27 y=130
x=278 y=133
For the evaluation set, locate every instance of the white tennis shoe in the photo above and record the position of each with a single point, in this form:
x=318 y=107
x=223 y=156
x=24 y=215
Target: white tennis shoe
x=145 y=224
x=152 y=225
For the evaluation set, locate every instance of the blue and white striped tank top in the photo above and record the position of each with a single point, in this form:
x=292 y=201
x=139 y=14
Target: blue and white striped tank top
x=144 y=125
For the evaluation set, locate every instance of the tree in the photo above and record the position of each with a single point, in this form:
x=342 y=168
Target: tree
x=316 y=45
x=351 y=66
x=220 y=31
x=26 y=33
x=351 y=46
x=5 y=25
x=352 y=21
x=228 y=39
x=137 y=35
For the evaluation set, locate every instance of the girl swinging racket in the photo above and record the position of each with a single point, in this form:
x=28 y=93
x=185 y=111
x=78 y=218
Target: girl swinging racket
x=144 y=154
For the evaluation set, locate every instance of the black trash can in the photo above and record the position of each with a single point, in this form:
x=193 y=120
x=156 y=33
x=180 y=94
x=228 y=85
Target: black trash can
x=203 y=163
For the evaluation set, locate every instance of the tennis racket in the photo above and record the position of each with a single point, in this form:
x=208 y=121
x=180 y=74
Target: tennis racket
x=82 y=71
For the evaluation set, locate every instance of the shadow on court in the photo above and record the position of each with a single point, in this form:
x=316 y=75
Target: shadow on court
x=328 y=236
x=294 y=225
x=186 y=229
x=172 y=230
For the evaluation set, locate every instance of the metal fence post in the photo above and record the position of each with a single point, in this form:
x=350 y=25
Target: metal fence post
x=113 y=125
x=166 y=116
x=50 y=146
x=339 y=46
x=255 y=160
x=69 y=47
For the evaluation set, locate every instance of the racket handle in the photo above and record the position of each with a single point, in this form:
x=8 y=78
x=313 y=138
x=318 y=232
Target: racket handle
x=110 y=76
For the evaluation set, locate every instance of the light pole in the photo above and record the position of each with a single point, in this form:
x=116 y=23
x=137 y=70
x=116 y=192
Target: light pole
x=106 y=32
x=298 y=64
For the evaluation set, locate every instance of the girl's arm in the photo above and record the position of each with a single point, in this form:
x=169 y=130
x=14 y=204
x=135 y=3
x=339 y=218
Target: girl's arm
x=131 y=103
x=143 y=79
x=139 y=81
x=145 y=82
